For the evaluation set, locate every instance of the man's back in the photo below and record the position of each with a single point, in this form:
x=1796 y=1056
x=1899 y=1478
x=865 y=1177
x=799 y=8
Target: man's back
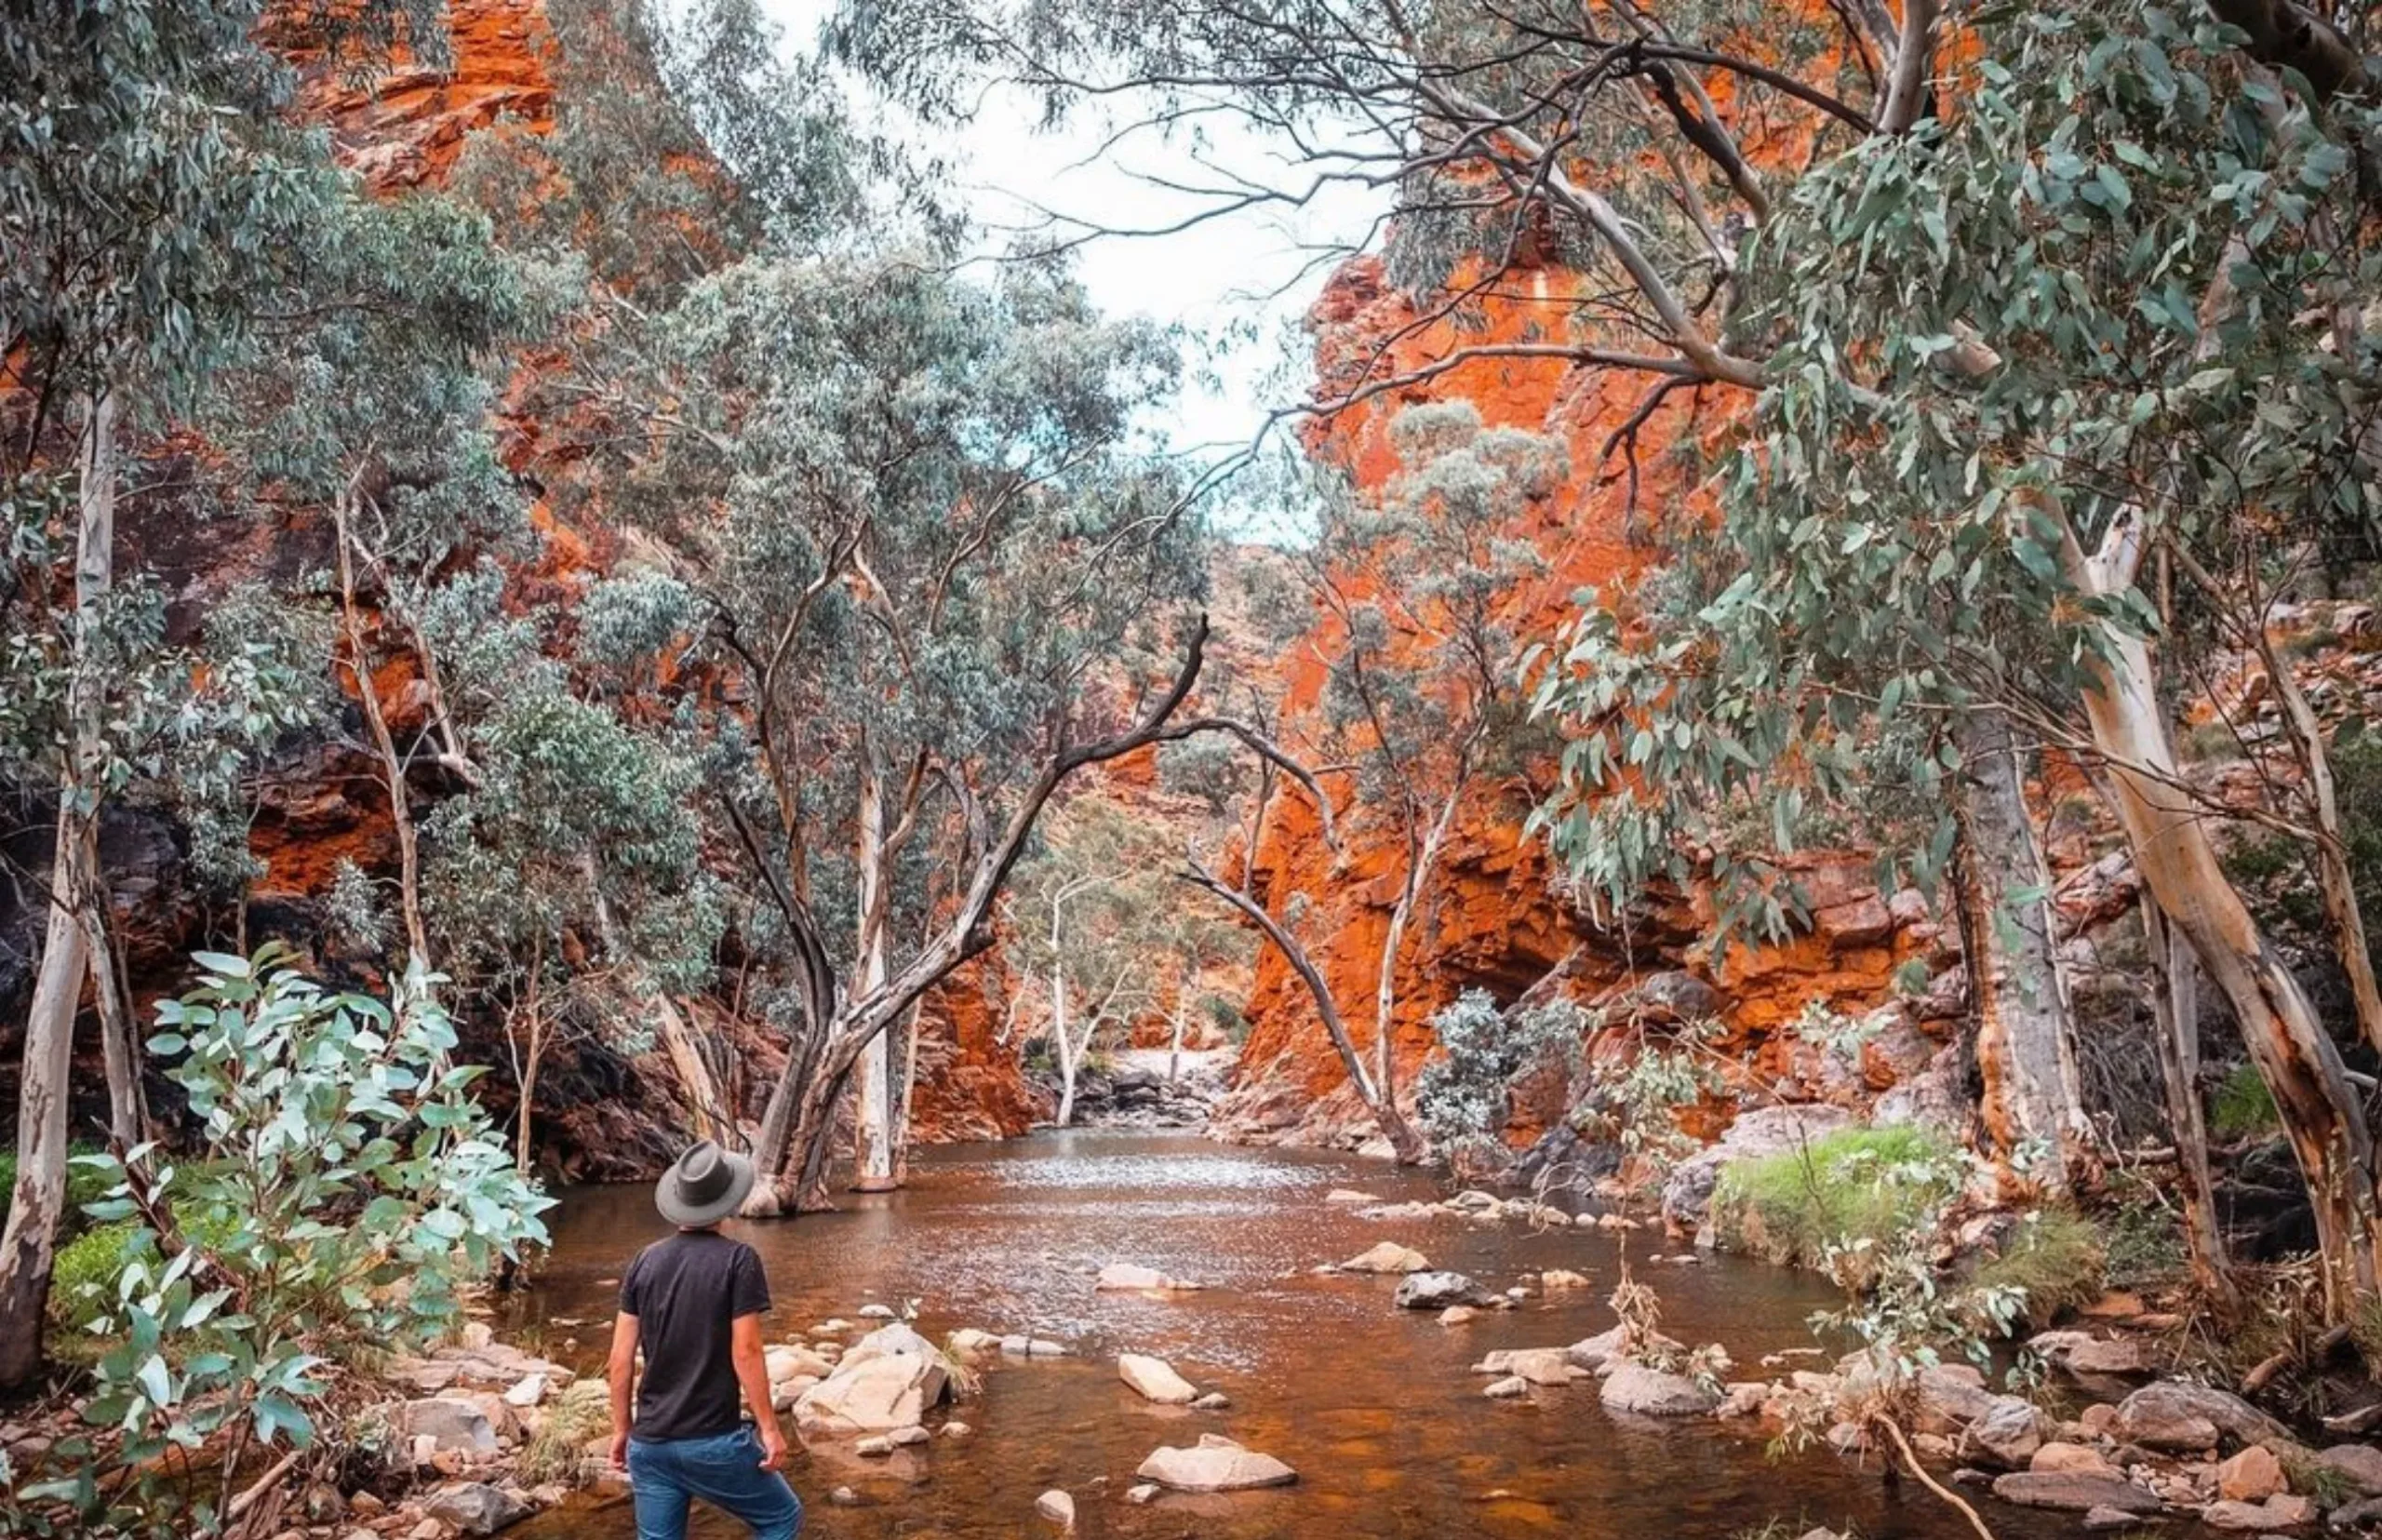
x=685 y=1292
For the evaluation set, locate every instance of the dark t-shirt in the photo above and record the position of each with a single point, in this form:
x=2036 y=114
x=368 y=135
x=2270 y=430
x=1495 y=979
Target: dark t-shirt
x=685 y=1293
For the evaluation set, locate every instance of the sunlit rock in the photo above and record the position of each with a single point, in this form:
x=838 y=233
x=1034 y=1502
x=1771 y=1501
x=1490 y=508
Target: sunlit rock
x=1215 y=1464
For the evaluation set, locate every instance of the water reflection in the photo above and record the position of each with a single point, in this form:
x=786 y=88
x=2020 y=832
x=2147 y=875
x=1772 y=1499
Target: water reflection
x=1377 y=1409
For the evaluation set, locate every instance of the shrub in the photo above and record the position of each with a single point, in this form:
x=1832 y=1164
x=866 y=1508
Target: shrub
x=557 y=1452
x=1853 y=1185
x=347 y=1185
x=84 y=1272
x=2056 y=1259
x=1460 y=1096
x=2243 y=1107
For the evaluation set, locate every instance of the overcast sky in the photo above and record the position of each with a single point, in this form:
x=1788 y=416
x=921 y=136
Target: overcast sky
x=1237 y=285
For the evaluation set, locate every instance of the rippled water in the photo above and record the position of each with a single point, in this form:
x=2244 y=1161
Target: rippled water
x=1377 y=1409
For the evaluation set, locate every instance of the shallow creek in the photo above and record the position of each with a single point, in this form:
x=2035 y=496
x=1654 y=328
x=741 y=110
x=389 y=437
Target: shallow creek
x=1377 y=1409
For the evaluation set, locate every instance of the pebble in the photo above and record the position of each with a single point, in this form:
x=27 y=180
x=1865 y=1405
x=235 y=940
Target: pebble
x=1142 y=1493
x=1058 y=1507
x=1507 y=1388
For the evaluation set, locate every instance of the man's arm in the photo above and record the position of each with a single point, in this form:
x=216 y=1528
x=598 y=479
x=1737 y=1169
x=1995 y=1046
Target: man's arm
x=622 y=1371
x=753 y=1375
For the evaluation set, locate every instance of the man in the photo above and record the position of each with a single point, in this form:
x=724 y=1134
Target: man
x=693 y=1302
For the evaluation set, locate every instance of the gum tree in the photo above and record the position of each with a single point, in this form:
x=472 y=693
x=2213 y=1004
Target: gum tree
x=936 y=568
x=153 y=190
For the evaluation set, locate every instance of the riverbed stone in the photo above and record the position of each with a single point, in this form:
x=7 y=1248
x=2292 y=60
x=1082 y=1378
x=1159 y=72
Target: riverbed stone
x=785 y=1363
x=1456 y=1315
x=2253 y=1476
x=1388 y=1256
x=2073 y=1459
x=1142 y=1493
x=1635 y=1389
x=2360 y=1463
x=2074 y=1492
x=968 y=1339
x=874 y=1392
x=1506 y=1388
x=475 y=1507
x=1537 y=1365
x=1437 y=1291
x=2082 y=1353
x=1128 y=1277
x=2007 y=1435
x=1558 y=1279
x=1214 y=1464
x=450 y=1423
x=1952 y=1396
x=1153 y=1379
x=1349 y=1195
x=2282 y=1511
x=2174 y=1415
x=1058 y=1507
x=1214 y=1401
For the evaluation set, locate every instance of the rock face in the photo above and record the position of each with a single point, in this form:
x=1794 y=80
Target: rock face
x=1155 y=1380
x=1215 y=1464
x=1645 y=1392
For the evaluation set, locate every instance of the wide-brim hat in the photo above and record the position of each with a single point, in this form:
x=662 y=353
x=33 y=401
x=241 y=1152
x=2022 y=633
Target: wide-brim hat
x=704 y=1186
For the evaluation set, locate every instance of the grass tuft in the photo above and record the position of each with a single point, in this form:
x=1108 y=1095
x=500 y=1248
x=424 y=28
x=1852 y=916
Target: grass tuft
x=2058 y=1256
x=1790 y=1208
x=558 y=1452
x=2242 y=1107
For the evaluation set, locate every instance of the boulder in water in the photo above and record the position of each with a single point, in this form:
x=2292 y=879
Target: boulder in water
x=1155 y=1380
x=1437 y=1291
x=1128 y=1276
x=1388 y=1256
x=2176 y=1415
x=1635 y=1389
x=1215 y=1464
x=1537 y=1365
x=884 y=1383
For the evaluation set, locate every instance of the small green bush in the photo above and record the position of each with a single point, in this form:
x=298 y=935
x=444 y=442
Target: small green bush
x=1854 y=1185
x=82 y=1280
x=2056 y=1257
x=2243 y=1106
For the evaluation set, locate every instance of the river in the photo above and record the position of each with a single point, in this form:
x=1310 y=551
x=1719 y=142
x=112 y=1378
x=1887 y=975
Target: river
x=1377 y=1409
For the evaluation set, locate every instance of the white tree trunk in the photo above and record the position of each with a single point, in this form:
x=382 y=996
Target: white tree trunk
x=1064 y=1040
x=2286 y=1039
x=2026 y=1052
x=873 y=1153
x=38 y=1202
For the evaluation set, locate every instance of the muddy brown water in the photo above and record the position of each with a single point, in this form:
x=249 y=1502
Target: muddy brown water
x=1377 y=1409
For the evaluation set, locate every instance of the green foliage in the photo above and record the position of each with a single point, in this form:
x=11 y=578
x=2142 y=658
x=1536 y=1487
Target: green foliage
x=1899 y=534
x=86 y=1268
x=83 y=1185
x=1460 y=1096
x=2143 y=1236
x=2056 y=1260
x=2275 y=874
x=347 y=1187
x=1856 y=1188
x=2243 y=1106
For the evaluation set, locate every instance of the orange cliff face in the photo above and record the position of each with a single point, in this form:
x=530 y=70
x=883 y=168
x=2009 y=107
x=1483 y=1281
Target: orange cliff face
x=1494 y=917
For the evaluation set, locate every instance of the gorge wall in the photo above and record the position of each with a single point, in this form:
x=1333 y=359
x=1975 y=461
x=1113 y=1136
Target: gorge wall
x=1495 y=917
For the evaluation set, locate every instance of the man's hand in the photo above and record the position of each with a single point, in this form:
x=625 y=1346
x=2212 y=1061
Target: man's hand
x=772 y=1446
x=621 y=1450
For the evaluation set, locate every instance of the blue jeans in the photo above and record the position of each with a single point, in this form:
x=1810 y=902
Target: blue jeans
x=724 y=1470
